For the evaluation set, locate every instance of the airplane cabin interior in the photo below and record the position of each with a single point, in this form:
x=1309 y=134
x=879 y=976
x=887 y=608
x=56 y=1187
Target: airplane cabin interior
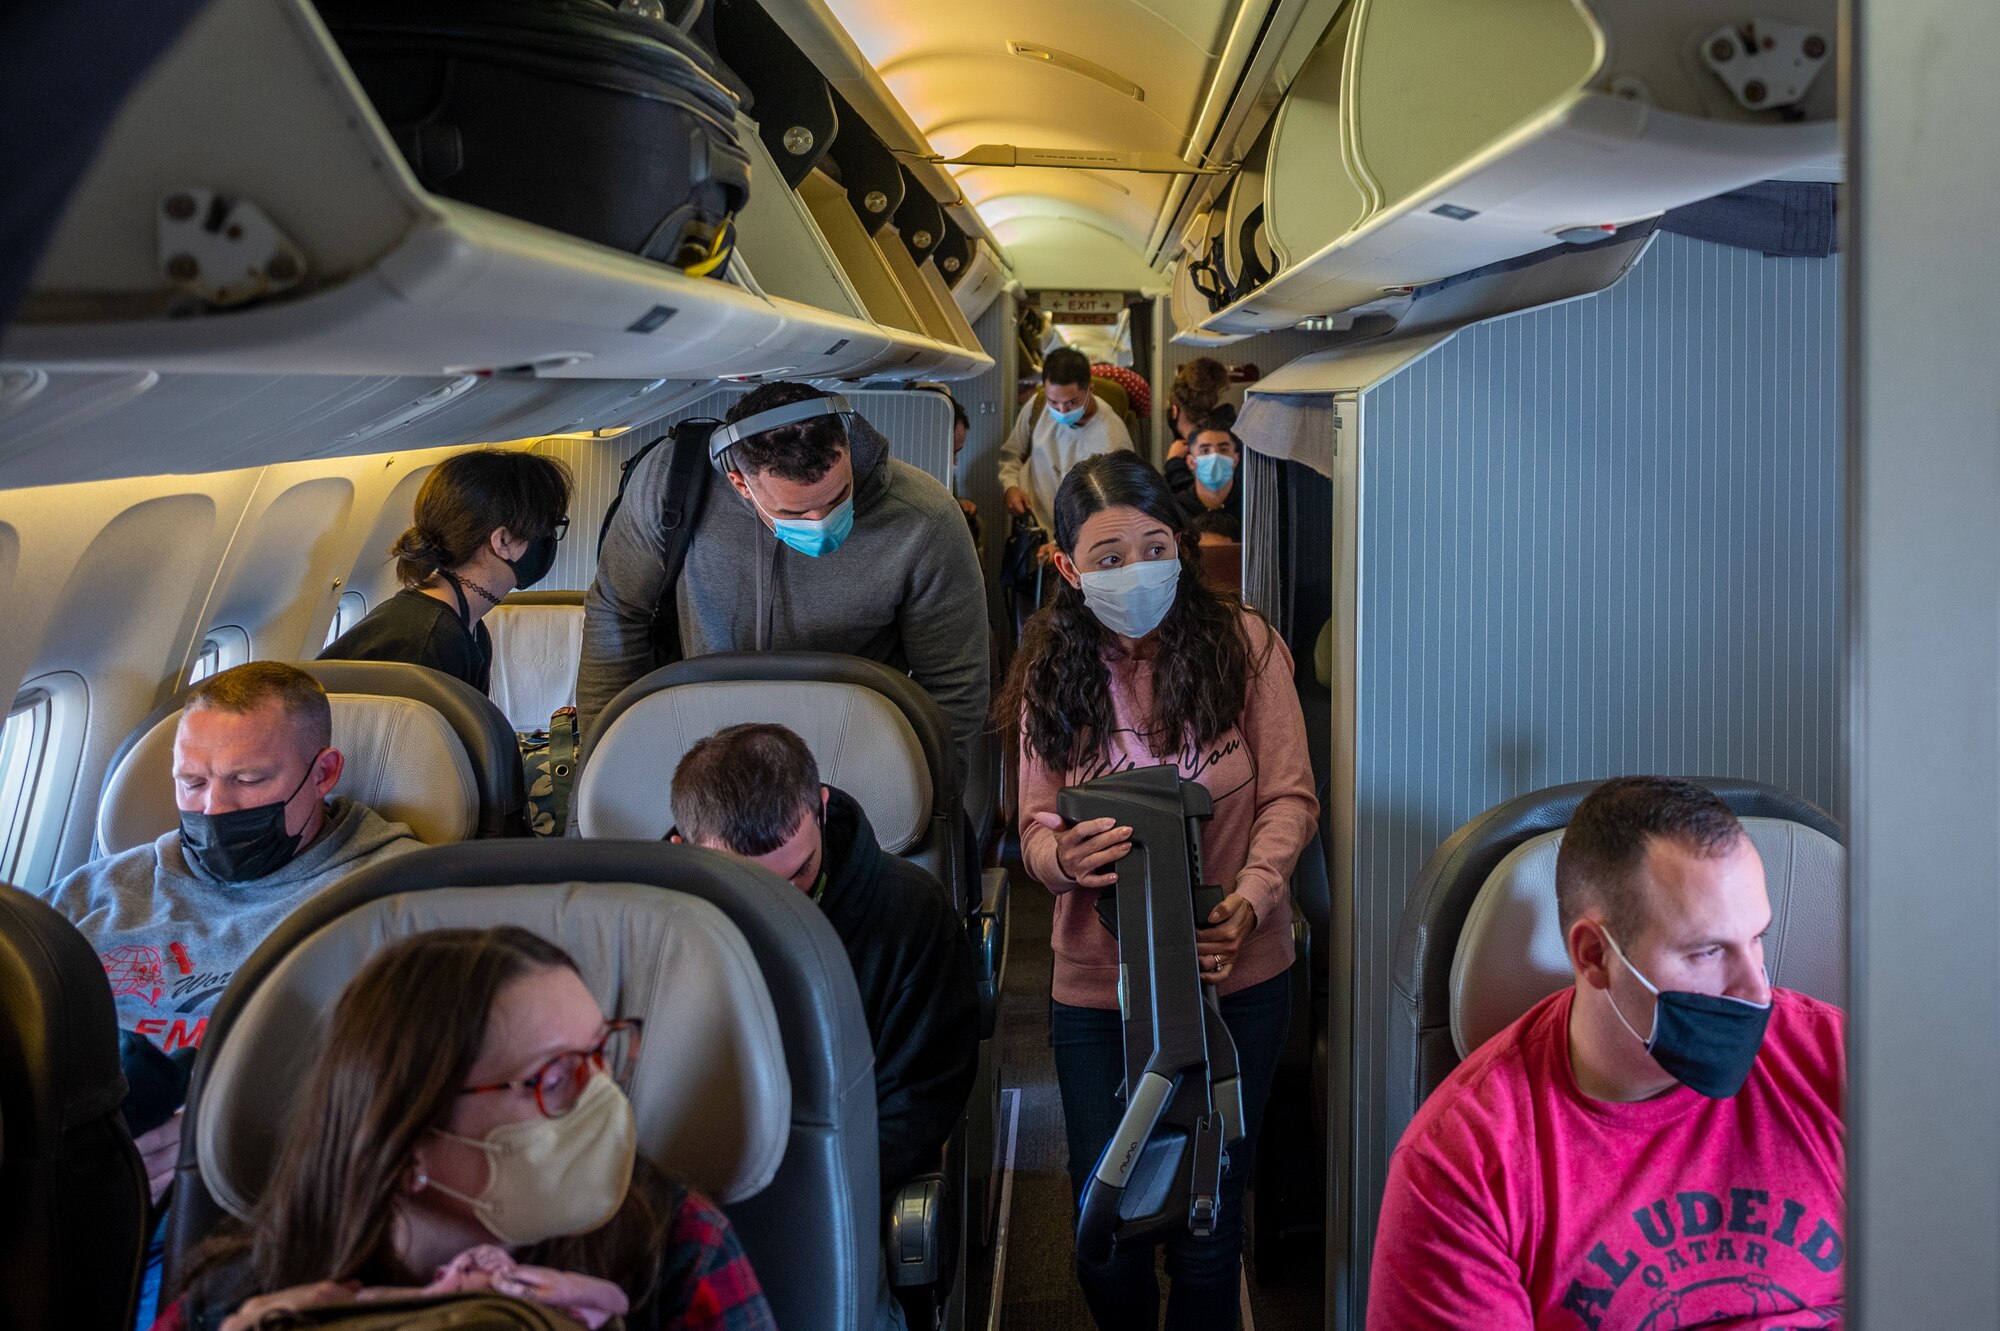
x=1456 y=417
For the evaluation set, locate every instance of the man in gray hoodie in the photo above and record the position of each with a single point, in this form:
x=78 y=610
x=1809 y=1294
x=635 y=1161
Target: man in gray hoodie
x=819 y=542
x=254 y=764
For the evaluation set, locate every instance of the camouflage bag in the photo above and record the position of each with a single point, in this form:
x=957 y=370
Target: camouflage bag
x=548 y=760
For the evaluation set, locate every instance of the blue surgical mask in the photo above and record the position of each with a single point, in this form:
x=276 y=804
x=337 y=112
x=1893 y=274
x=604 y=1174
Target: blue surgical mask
x=813 y=537
x=1069 y=418
x=1214 y=469
x=1133 y=599
x=817 y=536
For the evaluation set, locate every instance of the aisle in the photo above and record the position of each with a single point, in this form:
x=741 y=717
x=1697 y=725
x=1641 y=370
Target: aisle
x=1037 y=1289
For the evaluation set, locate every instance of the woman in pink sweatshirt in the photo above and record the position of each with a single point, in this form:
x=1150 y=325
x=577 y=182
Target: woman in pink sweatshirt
x=1132 y=664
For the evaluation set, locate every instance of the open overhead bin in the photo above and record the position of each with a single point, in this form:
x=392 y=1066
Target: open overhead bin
x=1427 y=138
x=984 y=279
x=851 y=210
x=1189 y=308
x=255 y=218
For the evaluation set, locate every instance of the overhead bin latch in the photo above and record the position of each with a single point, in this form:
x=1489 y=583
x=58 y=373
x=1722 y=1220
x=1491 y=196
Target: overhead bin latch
x=225 y=251
x=1767 y=65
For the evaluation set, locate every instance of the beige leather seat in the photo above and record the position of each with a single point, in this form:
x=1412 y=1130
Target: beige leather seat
x=1511 y=955
x=421 y=748
x=875 y=735
x=711 y=1091
x=754 y=1080
x=402 y=761
x=537 y=646
x=861 y=720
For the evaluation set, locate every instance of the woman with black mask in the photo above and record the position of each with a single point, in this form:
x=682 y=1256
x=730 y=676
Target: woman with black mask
x=486 y=522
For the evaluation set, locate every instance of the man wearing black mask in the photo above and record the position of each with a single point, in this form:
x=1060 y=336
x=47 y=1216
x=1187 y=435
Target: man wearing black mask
x=1660 y=1143
x=254 y=767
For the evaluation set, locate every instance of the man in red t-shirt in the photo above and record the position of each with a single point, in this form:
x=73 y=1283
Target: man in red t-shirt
x=1658 y=1146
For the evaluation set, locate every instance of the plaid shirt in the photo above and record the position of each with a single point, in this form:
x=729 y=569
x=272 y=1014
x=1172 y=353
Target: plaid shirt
x=706 y=1283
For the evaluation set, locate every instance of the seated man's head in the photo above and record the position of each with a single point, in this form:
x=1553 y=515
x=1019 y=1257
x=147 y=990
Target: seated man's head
x=1661 y=897
x=754 y=792
x=799 y=477
x=1066 y=386
x=253 y=764
x=500 y=1116
x=961 y=426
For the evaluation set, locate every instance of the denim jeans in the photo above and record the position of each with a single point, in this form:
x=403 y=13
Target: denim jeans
x=1123 y=1292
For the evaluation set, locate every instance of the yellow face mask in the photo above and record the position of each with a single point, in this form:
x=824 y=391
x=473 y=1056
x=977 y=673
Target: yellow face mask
x=553 y=1177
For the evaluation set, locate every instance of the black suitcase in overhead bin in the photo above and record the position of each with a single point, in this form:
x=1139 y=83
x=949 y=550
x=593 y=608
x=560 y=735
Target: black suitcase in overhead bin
x=578 y=115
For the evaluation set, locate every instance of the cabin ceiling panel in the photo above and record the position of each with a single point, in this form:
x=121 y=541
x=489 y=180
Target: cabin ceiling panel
x=951 y=68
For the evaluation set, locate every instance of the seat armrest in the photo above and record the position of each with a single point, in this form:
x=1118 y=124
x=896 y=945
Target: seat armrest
x=915 y=1242
x=987 y=927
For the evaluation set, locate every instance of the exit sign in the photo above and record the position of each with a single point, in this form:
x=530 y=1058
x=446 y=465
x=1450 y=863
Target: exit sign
x=1083 y=307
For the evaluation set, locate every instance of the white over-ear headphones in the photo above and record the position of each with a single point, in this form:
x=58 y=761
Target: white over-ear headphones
x=727 y=436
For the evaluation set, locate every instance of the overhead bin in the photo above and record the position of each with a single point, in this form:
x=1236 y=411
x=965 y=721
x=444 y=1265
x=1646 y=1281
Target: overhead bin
x=1190 y=309
x=380 y=279
x=984 y=279
x=853 y=206
x=1427 y=138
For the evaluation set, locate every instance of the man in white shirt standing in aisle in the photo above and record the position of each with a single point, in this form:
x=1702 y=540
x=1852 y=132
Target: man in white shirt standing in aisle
x=1073 y=424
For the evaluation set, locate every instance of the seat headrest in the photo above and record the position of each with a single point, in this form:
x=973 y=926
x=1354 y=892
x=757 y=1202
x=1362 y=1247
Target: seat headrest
x=711 y=1090
x=402 y=760
x=537 y=646
x=862 y=740
x=59 y=1061
x=1511 y=953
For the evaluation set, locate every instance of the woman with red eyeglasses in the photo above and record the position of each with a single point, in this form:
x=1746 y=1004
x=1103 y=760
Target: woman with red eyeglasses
x=465 y=1129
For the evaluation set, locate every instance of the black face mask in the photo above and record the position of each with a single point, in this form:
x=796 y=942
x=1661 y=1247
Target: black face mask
x=243 y=844
x=540 y=556
x=1707 y=1042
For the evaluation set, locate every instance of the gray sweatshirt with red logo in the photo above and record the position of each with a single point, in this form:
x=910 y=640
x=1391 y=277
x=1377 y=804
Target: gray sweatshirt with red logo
x=170 y=936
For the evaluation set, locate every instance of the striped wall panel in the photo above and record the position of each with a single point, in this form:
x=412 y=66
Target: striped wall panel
x=989 y=404
x=1598 y=538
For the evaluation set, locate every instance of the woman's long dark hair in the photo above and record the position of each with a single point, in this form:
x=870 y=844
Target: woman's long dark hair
x=386 y=1078
x=1058 y=689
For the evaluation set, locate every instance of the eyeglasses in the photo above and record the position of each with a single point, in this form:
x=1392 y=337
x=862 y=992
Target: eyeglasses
x=558 y=1084
x=562 y=526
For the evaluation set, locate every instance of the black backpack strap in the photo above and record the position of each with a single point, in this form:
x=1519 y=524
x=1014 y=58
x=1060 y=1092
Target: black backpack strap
x=689 y=474
x=618 y=500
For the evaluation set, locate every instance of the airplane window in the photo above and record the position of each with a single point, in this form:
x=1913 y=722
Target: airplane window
x=353 y=605
x=223 y=647
x=24 y=744
x=41 y=746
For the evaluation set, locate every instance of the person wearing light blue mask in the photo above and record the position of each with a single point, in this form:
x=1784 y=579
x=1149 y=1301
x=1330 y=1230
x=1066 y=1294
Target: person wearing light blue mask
x=1070 y=424
x=1205 y=480
x=810 y=536
x=1134 y=662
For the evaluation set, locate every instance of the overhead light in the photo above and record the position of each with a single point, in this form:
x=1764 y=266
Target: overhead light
x=1076 y=64
x=1080 y=159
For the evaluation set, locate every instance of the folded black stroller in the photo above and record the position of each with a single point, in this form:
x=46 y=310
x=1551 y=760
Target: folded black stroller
x=1162 y=1168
